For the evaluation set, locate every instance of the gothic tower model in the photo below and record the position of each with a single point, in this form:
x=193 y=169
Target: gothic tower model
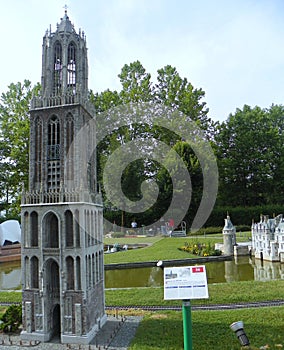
x=62 y=222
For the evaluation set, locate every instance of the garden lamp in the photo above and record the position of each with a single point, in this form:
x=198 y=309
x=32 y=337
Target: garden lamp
x=238 y=328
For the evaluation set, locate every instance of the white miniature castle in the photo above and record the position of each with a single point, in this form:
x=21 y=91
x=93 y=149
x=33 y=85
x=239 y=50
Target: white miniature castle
x=268 y=238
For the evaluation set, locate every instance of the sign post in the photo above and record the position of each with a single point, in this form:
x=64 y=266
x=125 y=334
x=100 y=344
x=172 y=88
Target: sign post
x=185 y=283
x=187 y=328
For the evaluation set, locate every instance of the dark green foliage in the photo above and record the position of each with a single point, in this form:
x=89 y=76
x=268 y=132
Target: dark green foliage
x=249 y=150
x=209 y=230
x=14 y=144
x=12 y=319
x=117 y=234
x=242 y=215
x=177 y=94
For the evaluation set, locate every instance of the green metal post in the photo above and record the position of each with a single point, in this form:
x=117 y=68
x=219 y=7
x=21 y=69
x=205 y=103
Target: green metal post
x=187 y=327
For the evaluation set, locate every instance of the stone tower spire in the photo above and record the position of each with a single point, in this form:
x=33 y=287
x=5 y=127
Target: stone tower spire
x=64 y=61
x=62 y=213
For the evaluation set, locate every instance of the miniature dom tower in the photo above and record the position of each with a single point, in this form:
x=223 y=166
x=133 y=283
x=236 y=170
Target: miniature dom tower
x=62 y=222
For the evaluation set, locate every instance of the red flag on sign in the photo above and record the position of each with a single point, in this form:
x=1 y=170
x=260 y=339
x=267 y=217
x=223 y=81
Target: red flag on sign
x=197 y=269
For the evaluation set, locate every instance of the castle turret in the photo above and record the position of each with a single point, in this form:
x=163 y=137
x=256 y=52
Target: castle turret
x=229 y=237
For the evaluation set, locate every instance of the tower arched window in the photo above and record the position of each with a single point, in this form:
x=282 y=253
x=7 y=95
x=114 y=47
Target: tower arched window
x=78 y=273
x=25 y=230
x=34 y=229
x=53 y=153
x=34 y=272
x=69 y=147
x=57 y=74
x=77 y=229
x=53 y=138
x=70 y=272
x=71 y=67
x=38 y=148
x=50 y=232
x=69 y=232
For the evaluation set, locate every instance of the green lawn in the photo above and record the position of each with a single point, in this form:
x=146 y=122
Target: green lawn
x=210 y=330
x=235 y=292
x=221 y=293
x=163 y=330
x=159 y=249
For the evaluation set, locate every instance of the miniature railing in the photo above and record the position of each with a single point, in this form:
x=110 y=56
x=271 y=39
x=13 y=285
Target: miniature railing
x=68 y=98
x=60 y=196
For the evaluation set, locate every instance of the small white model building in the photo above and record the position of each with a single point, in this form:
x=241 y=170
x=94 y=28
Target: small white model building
x=268 y=238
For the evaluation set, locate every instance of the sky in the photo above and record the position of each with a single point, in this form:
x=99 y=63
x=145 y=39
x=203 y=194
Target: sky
x=232 y=49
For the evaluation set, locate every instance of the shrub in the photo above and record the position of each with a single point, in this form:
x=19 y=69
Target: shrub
x=243 y=228
x=117 y=234
x=208 y=230
x=11 y=319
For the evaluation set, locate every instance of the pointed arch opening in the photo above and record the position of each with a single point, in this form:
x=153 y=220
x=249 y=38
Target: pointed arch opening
x=52 y=279
x=51 y=231
x=26 y=274
x=77 y=228
x=38 y=149
x=57 y=73
x=78 y=273
x=70 y=273
x=53 y=153
x=69 y=147
x=56 y=321
x=34 y=272
x=71 y=67
x=34 y=229
x=26 y=240
x=69 y=232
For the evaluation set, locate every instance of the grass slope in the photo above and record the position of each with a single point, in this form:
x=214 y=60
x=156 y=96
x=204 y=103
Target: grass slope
x=160 y=249
x=221 y=293
x=210 y=330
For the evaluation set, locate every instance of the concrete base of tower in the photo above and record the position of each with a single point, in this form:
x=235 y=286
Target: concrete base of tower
x=36 y=336
x=86 y=338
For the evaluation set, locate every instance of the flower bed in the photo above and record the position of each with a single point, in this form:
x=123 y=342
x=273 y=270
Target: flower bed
x=200 y=249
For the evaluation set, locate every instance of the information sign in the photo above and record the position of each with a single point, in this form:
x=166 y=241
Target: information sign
x=186 y=282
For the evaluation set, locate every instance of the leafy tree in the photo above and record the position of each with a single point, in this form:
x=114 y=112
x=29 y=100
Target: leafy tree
x=171 y=91
x=164 y=179
x=248 y=151
x=136 y=84
x=14 y=139
x=105 y=100
x=276 y=115
x=11 y=319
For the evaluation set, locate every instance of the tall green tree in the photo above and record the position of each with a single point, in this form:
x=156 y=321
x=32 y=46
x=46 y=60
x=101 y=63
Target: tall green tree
x=178 y=93
x=276 y=116
x=248 y=151
x=14 y=139
x=172 y=91
x=136 y=83
x=164 y=179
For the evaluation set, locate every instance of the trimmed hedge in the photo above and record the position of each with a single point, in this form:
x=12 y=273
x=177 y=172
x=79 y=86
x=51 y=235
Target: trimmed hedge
x=208 y=230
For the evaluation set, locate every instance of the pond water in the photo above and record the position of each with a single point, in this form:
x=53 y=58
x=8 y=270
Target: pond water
x=242 y=269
